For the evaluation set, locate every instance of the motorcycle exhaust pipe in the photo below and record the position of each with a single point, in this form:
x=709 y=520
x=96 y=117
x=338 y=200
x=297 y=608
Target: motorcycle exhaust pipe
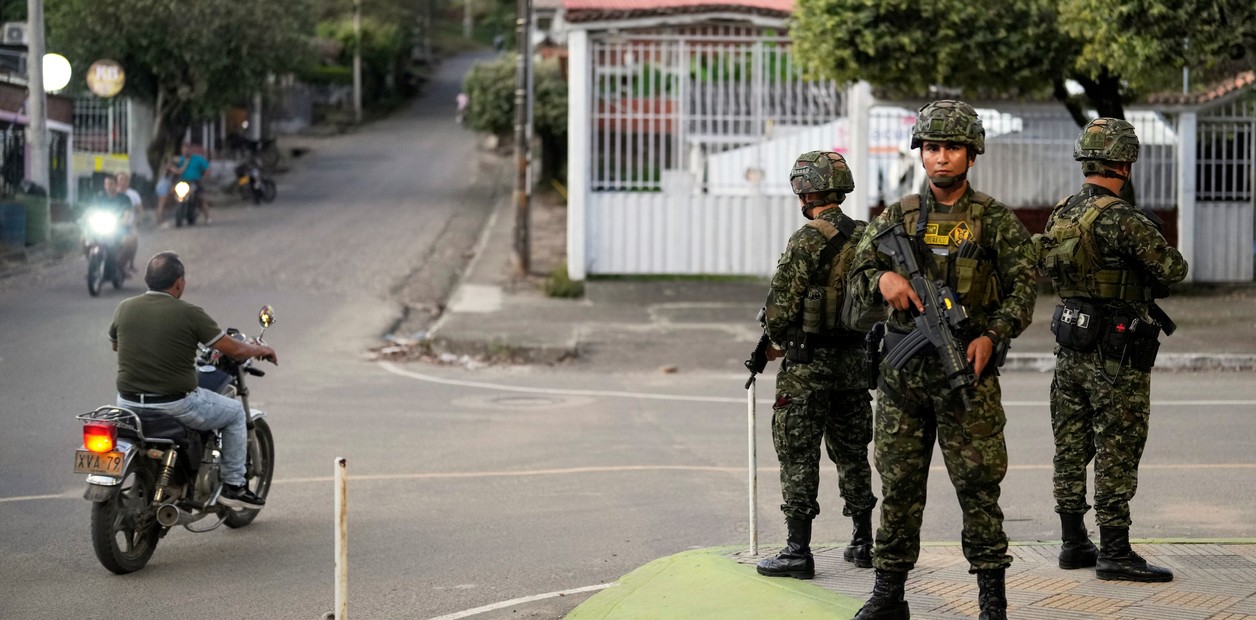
x=169 y=515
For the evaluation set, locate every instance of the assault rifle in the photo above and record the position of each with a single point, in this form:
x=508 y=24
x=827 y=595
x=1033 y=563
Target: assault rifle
x=759 y=357
x=943 y=313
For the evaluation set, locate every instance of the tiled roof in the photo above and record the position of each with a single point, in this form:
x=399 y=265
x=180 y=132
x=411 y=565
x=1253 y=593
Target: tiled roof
x=1212 y=93
x=590 y=10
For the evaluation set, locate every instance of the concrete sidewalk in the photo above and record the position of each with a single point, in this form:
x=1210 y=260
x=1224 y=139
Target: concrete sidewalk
x=708 y=323
x=1212 y=579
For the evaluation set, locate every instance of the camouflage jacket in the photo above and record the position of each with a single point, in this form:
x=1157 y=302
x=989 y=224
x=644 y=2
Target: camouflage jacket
x=1013 y=262
x=798 y=269
x=1126 y=238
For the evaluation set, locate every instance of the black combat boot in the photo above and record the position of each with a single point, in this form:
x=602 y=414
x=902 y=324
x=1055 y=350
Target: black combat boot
x=887 y=601
x=1077 y=550
x=1118 y=562
x=991 y=595
x=795 y=559
x=859 y=551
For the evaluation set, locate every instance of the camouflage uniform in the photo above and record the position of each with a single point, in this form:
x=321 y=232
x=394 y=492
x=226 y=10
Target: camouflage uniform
x=1100 y=409
x=915 y=405
x=825 y=399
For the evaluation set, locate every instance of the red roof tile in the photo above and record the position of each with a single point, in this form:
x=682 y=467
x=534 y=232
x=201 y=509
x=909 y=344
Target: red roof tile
x=1211 y=93
x=586 y=10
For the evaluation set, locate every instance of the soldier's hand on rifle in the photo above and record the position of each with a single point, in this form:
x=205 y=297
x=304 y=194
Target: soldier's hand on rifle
x=773 y=353
x=980 y=350
x=898 y=292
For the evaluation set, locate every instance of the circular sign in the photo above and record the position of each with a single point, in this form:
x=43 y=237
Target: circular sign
x=56 y=72
x=105 y=78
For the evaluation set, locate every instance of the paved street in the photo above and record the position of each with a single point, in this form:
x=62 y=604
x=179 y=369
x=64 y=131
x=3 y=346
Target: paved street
x=467 y=487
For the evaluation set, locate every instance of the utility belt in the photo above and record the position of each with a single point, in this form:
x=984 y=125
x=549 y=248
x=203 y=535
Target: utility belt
x=1084 y=325
x=800 y=346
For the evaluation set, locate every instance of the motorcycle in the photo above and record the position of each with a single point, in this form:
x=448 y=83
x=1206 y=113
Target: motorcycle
x=102 y=239
x=253 y=183
x=146 y=473
x=187 y=198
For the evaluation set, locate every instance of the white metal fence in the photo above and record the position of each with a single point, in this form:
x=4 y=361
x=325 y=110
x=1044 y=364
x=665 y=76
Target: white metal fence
x=687 y=137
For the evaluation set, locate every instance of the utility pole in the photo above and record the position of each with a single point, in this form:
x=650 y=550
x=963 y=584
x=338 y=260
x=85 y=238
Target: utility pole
x=37 y=108
x=357 y=61
x=466 y=19
x=522 y=250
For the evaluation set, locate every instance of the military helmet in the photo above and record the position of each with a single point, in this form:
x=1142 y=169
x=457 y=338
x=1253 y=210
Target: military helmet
x=1107 y=139
x=821 y=171
x=949 y=121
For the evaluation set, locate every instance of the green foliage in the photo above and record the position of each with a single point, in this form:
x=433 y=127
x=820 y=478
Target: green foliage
x=1025 y=48
x=560 y=284
x=190 y=60
x=1149 y=41
x=490 y=86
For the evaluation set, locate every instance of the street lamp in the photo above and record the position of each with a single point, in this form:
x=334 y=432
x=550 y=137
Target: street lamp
x=56 y=72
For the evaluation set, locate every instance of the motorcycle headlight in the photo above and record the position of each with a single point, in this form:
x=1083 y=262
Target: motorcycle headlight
x=102 y=223
x=181 y=189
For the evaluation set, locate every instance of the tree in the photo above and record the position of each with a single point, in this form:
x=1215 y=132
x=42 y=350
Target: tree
x=190 y=60
x=1029 y=48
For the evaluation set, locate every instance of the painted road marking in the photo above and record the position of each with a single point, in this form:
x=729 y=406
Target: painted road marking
x=520 y=601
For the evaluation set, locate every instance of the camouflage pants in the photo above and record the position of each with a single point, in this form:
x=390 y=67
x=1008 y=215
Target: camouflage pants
x=807 y=410
x=1094 y=419
x=923 y=409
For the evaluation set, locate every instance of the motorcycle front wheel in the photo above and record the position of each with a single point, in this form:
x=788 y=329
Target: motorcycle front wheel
x=257 y=473
x=124 y=528
x=268 y=190
x=95 y=272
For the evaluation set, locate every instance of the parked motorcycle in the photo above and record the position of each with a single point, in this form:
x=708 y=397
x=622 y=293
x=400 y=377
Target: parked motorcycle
x=187 y=197
x=253 y=183
x=146 y=473
x=102 y=239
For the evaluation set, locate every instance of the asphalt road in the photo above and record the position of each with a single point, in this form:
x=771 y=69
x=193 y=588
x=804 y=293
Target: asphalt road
x=467 y=487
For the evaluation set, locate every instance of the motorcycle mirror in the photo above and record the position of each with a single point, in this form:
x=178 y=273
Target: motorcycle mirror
x=266 y=316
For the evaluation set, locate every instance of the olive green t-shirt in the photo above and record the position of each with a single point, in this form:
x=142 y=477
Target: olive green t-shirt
x=156 y=336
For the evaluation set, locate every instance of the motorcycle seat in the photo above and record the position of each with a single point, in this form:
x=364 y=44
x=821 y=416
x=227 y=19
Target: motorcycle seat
x=159 y=425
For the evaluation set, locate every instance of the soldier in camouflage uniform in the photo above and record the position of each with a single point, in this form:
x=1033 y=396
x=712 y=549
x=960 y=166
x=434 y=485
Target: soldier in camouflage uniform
x=979 y=248
x=822 y=386
x=1108 y=262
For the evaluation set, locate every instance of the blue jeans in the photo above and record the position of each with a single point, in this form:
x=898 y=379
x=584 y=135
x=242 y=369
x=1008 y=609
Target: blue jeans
x=204 y=410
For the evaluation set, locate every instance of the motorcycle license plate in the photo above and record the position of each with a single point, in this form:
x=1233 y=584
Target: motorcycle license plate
x=107 y=464
x=243 y=181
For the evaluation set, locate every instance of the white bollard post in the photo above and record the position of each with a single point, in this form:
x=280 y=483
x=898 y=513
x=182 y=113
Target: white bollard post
x=342 y=540
x=754 y=472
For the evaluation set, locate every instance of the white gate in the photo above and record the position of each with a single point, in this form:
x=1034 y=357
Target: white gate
x=690 y=140
x=1225 y=196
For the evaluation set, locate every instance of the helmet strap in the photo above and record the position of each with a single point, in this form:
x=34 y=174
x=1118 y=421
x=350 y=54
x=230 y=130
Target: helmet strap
x=1093 y=166
x=948 y=182
x=825 y=199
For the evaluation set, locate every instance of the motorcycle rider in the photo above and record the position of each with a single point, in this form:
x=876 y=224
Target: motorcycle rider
x=191 y=167
x=156 y=336
x=110 y=198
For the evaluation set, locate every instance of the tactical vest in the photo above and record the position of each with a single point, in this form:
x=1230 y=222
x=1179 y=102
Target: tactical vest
x=821 y=307
x=1069 y=254
x=967 y=269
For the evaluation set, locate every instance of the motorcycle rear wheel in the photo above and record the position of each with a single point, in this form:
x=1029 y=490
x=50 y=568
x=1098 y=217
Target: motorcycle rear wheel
x=258 y=472
x=95 y=272
x=124 y=528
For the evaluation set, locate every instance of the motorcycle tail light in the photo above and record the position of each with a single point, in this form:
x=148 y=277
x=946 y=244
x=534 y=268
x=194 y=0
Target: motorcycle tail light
x=99 y=438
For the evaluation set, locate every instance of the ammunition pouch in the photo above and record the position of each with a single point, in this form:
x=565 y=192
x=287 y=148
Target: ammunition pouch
x=1078 y=324
x=1129 y=338
x=798 y=348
